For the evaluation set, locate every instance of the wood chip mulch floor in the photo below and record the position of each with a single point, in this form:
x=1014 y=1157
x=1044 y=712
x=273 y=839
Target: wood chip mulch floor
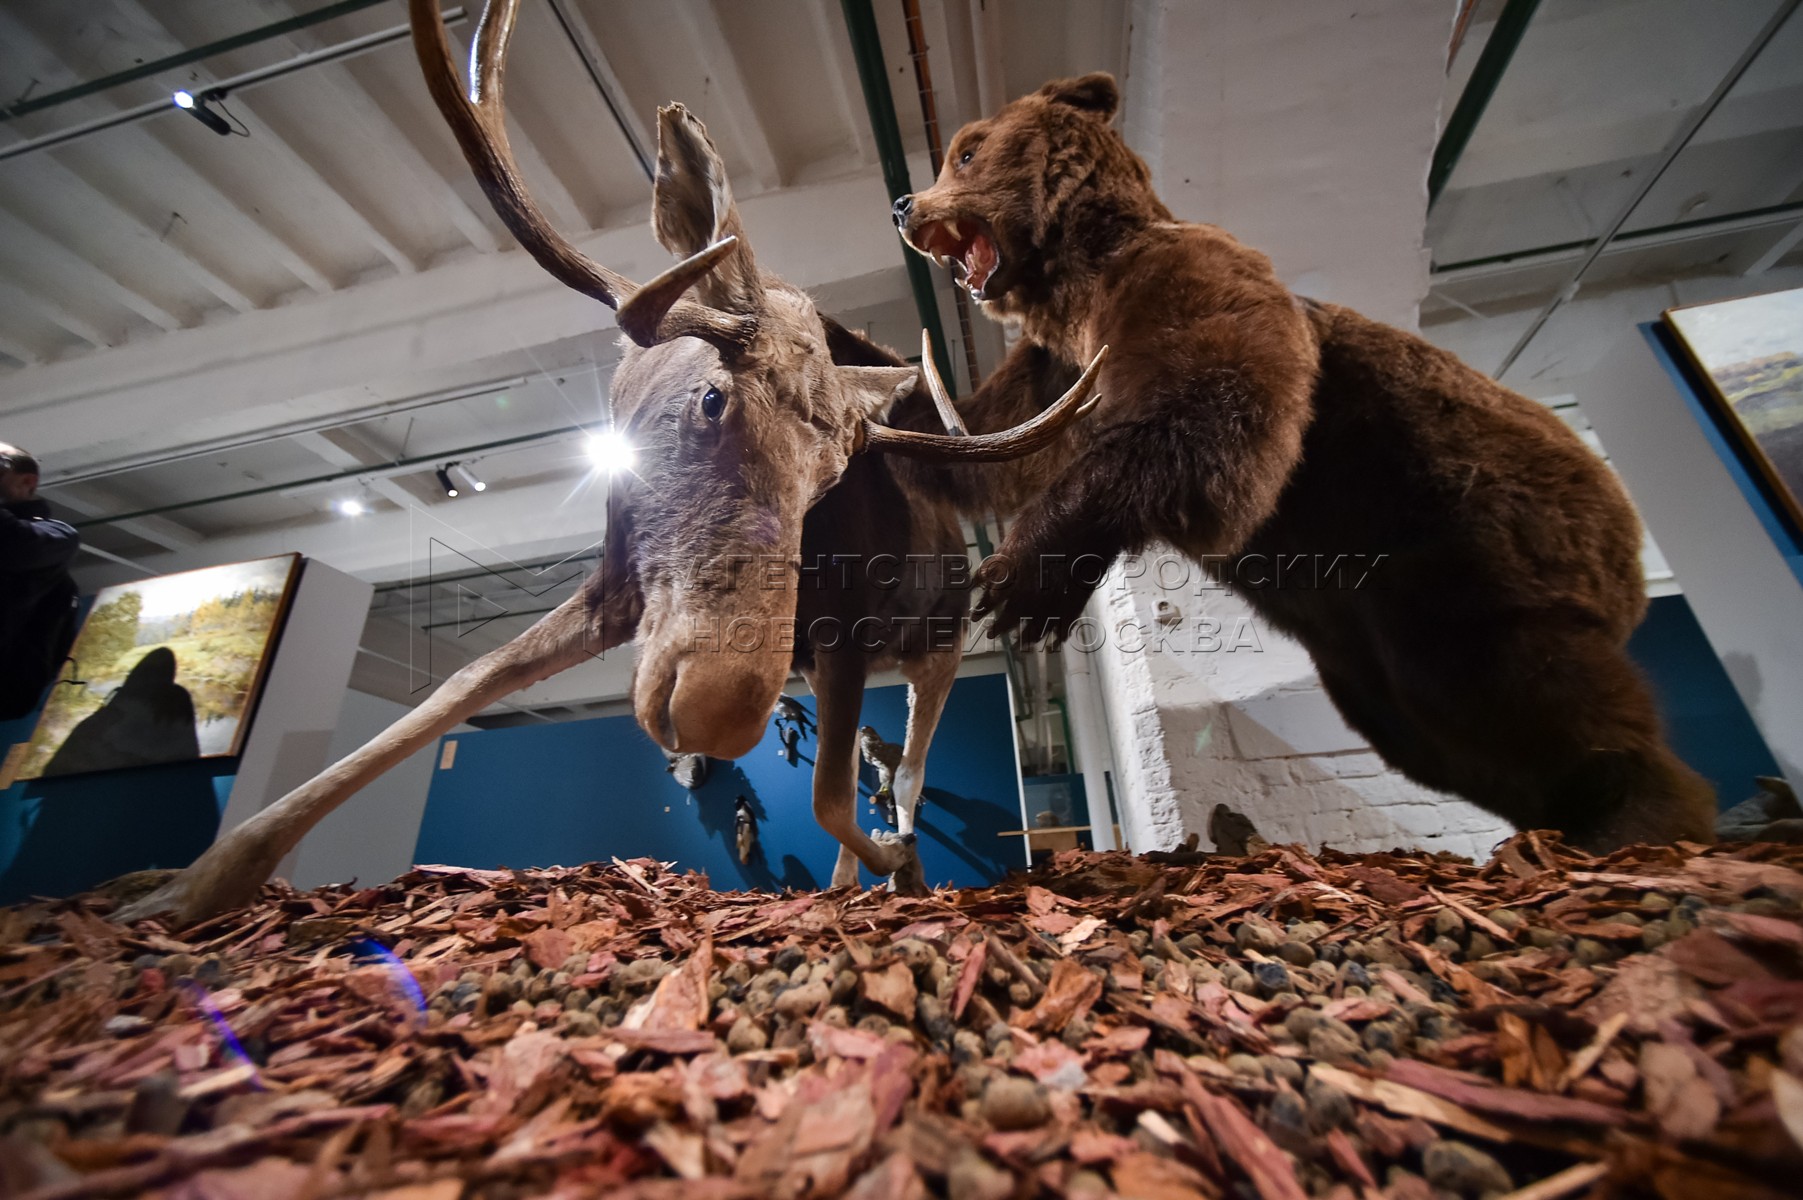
x=1182 y=1025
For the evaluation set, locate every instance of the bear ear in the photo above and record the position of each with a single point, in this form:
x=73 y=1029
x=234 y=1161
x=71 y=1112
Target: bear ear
x=1096 y=92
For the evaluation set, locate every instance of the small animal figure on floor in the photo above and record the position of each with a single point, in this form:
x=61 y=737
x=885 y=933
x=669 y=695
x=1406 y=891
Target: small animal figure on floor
x=790 y=712
x=885 y=757
x=790 y=736
x=745 y=825
x=1233 y=833
x=1772 y=816
x=690 y=770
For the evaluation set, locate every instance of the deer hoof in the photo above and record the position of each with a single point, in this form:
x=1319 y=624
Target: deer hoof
x=906 y=876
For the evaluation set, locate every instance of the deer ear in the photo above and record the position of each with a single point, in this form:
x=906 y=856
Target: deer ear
x=692 y=208
x=873 y=390
x=1096 y=92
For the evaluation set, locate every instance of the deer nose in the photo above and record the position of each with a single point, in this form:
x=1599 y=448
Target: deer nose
x=902 y=210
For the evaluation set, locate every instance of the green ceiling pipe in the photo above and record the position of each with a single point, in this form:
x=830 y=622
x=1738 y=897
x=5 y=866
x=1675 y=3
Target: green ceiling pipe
x=867 y=49
x=1466 y=114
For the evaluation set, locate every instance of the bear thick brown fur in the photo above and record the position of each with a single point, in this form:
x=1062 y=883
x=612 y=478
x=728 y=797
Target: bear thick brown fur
x=1486 y=657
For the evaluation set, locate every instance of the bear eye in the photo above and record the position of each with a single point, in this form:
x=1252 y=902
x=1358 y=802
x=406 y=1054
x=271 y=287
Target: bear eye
x=713 y=403
x=964 y=159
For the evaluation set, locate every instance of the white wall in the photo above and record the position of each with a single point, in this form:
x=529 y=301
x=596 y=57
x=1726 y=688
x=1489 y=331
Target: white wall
x=301 y=693
x=371 y=838
x=1324 y=163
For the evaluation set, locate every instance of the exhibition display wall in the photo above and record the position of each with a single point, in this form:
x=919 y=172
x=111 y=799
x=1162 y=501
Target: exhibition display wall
x=569 y=793
x=64 y=833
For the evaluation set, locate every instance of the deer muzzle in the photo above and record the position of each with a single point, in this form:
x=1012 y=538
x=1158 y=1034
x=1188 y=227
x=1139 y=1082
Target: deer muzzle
x=705 y=689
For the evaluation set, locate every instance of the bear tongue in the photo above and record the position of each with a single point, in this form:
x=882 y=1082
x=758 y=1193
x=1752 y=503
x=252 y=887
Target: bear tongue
x=980 y=261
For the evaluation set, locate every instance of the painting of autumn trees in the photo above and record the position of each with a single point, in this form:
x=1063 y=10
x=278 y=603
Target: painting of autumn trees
x=163 y=670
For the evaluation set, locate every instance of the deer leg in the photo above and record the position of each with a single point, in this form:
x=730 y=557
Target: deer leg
x=930 y=679
x=235 y=866
x=838 y=684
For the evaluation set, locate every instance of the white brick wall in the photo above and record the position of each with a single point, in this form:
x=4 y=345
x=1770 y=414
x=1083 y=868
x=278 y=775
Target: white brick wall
x=1250 y=727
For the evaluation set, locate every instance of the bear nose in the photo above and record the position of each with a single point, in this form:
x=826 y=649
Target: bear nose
x=904 y=208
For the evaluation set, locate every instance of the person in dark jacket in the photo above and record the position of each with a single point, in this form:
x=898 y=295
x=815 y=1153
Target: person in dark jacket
x=37 y=594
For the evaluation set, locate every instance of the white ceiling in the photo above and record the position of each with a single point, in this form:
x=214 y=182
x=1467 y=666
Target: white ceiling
x=185 y=316
x=1593 y=95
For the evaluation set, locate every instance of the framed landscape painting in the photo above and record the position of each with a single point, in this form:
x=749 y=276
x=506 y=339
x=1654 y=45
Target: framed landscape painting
x=1750 y=351
x=164 y=670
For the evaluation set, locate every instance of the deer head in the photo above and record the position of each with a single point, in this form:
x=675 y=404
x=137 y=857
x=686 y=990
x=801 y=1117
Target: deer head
x=739 y=416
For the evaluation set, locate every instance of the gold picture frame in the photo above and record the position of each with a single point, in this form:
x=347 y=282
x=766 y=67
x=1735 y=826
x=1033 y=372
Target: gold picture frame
x=1749 y=354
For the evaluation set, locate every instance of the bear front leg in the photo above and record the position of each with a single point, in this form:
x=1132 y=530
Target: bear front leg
x=1057 y=551
x=1197 y=462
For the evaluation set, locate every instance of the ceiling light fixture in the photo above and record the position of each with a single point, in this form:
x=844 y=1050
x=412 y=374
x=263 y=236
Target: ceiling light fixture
x=610 y=451
x=350 y=507
x=469 y=477
x=196 y=107
x=444 y=481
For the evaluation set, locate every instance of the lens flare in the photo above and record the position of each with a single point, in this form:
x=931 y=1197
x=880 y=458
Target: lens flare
x=611 y=452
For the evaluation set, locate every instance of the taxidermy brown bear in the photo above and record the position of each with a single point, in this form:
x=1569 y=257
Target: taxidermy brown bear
x=1484 y=658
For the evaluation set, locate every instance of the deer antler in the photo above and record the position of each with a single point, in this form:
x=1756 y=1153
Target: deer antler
x=647 y=315
x=961 y=446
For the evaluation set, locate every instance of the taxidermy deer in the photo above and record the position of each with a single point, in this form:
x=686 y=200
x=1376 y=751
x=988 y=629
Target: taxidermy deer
x=753 y=417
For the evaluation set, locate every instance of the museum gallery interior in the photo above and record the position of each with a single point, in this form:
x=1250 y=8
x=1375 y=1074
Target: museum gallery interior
x=900 y=598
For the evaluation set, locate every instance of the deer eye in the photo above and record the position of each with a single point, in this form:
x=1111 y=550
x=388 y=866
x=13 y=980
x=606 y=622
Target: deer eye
x=713 y=403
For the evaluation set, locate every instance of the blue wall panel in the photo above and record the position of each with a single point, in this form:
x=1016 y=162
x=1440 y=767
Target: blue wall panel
x=584 y=790
x=62 y=836
x=1708 y=725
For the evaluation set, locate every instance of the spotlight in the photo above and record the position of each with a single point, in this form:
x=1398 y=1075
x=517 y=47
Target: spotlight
x=350 y=508
x=196 y=107
x=469 y=477
x=444 y=481
x=610 y=451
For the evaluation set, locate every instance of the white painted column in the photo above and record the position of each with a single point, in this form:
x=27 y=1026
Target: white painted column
x=1746 y=599
x=302 y=693
x=1089 y=733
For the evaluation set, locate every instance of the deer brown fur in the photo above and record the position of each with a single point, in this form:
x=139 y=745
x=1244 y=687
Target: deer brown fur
x=1486 y=658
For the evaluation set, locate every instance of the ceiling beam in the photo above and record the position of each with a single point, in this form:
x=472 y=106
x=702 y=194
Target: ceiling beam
x=343 y=448
x=735 y=105
x=321 y=188
x=57 y=313
x=588 y=51
x=290 y=159
x=1762 y=253
x=842 y=72
x=404 y=153
x=468 y=319
x=289 y=256
x=92 y=500
x=300 y=263
x=563 y=516
x=14 y=348
x=84 y=274
x=548 y=189
x=66 y=178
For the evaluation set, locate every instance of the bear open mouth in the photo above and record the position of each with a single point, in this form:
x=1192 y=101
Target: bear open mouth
x=968 y=244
